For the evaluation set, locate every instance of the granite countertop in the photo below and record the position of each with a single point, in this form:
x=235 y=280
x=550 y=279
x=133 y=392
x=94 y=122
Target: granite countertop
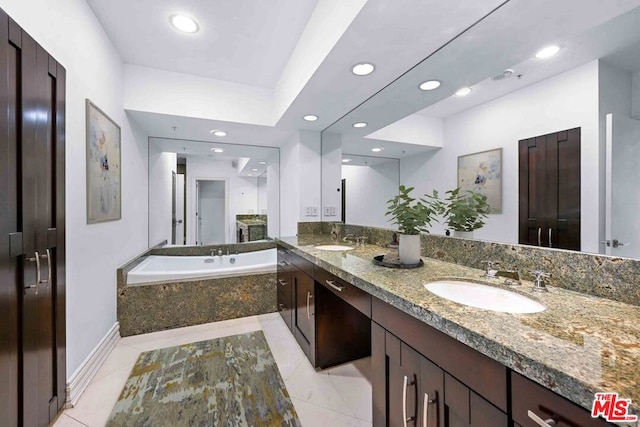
x=579 y=345
x=251 y=221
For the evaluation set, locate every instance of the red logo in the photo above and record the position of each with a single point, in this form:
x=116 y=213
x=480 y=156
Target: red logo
x=612 y=408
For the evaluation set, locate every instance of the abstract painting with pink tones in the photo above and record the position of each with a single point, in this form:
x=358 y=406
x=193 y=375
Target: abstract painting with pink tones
x=103 y=167
x=482 y=173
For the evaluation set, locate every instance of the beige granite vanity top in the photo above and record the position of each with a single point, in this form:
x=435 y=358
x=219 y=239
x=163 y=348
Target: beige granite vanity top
x=579 y=345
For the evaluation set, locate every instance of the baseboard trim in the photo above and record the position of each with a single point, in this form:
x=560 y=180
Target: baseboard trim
x=81 y=378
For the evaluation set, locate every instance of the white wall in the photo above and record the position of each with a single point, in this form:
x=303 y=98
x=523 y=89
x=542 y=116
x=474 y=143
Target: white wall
x=212 y=210
x=331 y=176
x=309 y=174
x=635 y=91
x=262 y=195
x=565 y=101
x=161 y=168
x=290 y=187
x=70 y=32
x=368 y=188
x=242 y=194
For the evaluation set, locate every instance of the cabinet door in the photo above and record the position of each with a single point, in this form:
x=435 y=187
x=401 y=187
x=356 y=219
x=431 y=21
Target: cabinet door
x=285 y=291
x=464 y=408
x=403 y=367
x=431 y=397
x=304 y=312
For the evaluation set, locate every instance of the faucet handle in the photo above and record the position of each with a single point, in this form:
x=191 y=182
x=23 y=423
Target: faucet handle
x=488 y=274
x=539 y=274
x=490 y=264
x=539 y=285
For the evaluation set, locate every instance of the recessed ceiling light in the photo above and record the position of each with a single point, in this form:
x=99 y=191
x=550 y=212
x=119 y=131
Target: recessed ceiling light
x=255 y=169
x=262 y=163
x=363 y=69
x=310 y=117
x=548 y=51
x=360 y=125
x=184 y=23
x=250 y=174
x=219 y=132
x=217 y=150
x=377 y=149
x=464 y=91
x=430 y=85
x=346 y=160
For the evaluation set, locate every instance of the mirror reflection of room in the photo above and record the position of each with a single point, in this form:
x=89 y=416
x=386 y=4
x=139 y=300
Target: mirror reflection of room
x=208 y=194
x=561 y=106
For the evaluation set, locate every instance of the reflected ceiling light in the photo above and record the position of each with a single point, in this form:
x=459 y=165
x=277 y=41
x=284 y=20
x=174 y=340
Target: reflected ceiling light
x=255 y=169
x=184 y=23
x=262 y=163
x=464 y=91
x=310 y=117
x=430 y=85
x=217 y=150
x=363 y=69
x=219 y=132
x=346 y=160
x=377 y=149
x=360 y=125
x=250 y=174
x=547 y=52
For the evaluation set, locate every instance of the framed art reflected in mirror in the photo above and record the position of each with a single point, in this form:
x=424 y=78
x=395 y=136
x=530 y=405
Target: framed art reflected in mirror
x=482 y=173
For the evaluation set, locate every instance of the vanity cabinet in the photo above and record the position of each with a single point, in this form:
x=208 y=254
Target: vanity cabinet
x=285 y=287
x=329 y=318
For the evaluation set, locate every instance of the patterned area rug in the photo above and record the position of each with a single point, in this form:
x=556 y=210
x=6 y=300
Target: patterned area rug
x=230 y=381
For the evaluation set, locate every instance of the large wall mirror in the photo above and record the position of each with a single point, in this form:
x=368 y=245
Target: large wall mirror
x=564 y=120
x=205 y=193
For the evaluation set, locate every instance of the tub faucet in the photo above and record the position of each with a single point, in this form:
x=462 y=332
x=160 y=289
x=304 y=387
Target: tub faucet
x=219 y=251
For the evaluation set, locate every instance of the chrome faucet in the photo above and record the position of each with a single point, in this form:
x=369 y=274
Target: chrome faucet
x=539 y=284
x=489 y=272
x=511 y=277
x=349 y=238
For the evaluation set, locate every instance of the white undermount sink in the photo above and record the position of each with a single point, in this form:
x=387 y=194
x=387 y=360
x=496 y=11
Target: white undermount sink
x=485 y=297
x=334 y=248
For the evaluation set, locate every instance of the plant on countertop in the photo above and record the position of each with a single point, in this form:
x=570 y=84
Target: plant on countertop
x=412 y=215
x=465 y=212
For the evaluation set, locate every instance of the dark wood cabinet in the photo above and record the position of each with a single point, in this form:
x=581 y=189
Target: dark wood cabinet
x=285 y=287
x=327 y=320
x=532 y=400
x=464 y=407
x=549 y=190
x=32 y=247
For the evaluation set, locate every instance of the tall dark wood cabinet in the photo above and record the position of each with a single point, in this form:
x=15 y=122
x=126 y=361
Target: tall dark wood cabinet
x=32 y=247
x=549 y=195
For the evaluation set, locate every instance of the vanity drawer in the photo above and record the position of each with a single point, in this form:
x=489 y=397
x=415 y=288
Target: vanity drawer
x=346 y=291
x=302 y=264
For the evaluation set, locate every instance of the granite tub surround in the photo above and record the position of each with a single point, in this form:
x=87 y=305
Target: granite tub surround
x=581 y=344
x=155 y=307
x=233 y=248
x=600 y=275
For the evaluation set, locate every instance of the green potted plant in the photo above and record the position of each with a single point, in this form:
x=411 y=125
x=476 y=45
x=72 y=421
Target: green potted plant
x=464 y=213
x=412 y=216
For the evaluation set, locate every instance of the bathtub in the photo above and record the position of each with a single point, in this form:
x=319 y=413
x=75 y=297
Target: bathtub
x=171 y=268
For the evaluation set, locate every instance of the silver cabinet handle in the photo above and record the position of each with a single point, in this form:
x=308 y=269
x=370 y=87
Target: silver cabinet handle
x=425 y=409
x=550 y=238
x=35 y=259
x=308 y=299
x=334 y=286
x=539 y=236
x=404 y=400
x=48 y=257
x=282 y=282
x=542 y=423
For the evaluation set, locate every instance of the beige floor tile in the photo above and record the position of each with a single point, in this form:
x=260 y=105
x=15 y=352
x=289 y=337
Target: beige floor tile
x=121 y=356
x=66 y=421
x=311 y=415
x=355 y=388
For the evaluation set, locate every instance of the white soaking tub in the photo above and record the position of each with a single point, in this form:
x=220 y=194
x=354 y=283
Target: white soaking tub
x=158 y=268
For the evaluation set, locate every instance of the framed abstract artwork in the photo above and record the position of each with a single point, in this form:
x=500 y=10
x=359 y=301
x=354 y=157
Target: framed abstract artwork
x=482 y=173
x=104 y=192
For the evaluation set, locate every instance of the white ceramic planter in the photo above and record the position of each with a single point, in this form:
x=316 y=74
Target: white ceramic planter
x=409 y=249
x=463 y=234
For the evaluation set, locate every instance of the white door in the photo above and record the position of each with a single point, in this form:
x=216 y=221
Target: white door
x=179 y=203
x=211 y=212
x=622 y=228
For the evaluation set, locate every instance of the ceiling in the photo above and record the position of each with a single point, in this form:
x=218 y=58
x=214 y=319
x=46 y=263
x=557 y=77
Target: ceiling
x=241 y=41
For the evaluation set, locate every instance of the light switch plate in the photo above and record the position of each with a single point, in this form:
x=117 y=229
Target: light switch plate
x=314 y=211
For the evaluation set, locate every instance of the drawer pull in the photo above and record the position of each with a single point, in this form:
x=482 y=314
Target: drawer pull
x=406 y=384
x=334 y=286
x=308 y=300
x=542 y=423
x=425 y=409
x=282 y=282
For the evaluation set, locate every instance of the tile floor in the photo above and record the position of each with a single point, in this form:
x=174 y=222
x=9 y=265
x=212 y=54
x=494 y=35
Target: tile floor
x=339 y=396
